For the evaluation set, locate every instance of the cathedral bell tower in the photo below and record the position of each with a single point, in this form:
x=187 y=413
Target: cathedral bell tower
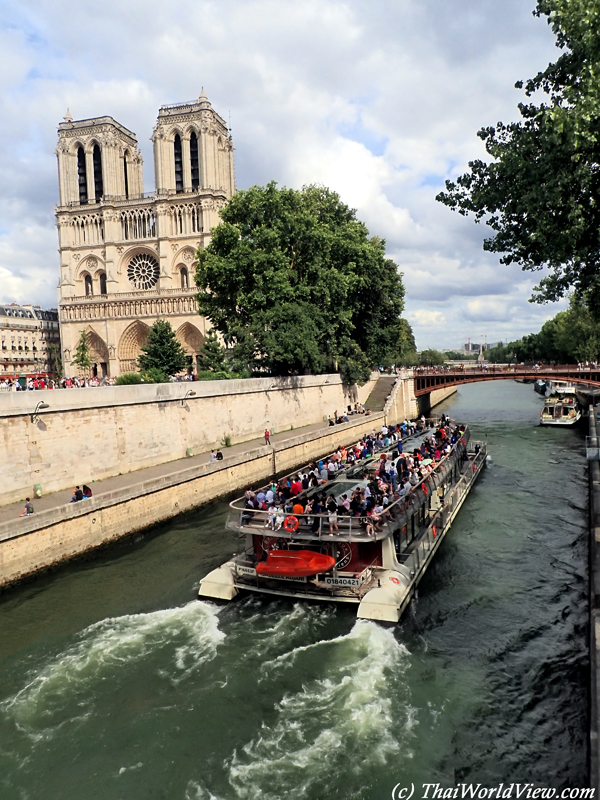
x=126 y=259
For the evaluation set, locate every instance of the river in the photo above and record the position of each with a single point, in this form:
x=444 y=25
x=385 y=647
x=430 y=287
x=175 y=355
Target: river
x=115 y=682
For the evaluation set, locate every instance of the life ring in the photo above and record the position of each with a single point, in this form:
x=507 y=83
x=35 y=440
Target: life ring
x=474 y=467
x=404 y=530
x=463 y=440
x=395 y=580
x=425 y=488
x=434 y=531
x=291 y=524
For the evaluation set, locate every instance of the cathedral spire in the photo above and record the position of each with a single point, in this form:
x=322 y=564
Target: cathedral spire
x=203 y=100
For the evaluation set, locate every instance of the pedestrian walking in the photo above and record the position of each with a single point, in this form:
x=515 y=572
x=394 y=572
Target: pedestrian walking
x=267 y=436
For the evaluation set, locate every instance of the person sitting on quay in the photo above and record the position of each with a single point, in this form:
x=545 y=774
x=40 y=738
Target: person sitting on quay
x=87 y=492
x=27 y=509
x=77 y=495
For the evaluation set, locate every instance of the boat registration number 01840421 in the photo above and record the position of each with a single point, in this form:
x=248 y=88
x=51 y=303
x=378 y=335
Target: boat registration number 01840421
x=340 y=581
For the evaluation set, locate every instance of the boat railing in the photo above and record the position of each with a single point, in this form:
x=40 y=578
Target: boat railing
x=349 y=527
x=416 y=551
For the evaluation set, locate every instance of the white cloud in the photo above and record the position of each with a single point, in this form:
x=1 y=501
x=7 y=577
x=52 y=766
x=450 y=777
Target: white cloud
x=381 y=102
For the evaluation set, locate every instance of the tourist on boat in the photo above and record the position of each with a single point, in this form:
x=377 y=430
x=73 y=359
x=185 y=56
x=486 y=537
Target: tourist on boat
x=317 y=510
x=279 y=519
x=271 y=518
x=332 y=516
x=297 y=508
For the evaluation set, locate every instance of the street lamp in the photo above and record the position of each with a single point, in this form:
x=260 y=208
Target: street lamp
x=189 y=393
x=41 y=405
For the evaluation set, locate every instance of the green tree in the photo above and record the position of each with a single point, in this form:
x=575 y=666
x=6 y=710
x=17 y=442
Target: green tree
x=431 y=358
x=411 y=359
x=162 y=351
x=212 y=356
x=292 y=280
x=83 y=357
x=406 y=341
x=541 y=193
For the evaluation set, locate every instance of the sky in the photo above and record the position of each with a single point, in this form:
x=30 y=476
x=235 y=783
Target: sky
x=380 y=101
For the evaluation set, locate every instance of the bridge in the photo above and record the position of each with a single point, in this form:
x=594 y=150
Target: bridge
x=429 y=379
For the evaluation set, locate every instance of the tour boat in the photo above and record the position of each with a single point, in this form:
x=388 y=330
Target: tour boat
x=562 y=408
x=375 y=567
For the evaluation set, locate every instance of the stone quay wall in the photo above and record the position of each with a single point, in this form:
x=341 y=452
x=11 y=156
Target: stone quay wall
x=31 y=544
x=89 y=434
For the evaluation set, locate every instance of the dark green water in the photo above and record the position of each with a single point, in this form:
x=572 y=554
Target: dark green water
x=116 y=683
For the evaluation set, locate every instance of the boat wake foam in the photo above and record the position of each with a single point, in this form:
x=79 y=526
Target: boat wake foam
x=103 y=649
x=345 y=718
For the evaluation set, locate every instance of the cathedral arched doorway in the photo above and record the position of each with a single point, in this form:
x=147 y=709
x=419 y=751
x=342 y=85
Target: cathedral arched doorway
x=191 y=340
x=98 y=354
x=130 y=346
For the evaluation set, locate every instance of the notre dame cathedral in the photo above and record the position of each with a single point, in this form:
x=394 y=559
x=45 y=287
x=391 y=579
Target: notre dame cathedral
x=126 y=258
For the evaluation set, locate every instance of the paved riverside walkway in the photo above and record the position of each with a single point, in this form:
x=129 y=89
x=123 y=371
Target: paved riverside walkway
x=57 y=499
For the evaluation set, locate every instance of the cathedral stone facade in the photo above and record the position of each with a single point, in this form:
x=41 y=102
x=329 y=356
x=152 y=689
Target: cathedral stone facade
x=126 y=258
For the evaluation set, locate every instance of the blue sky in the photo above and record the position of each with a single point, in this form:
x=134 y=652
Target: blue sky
x=381 y=102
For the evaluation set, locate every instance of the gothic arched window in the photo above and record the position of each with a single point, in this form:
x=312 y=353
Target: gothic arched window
x=89 y=286
x=98 y=187
x=103 y=283
x=125 y=174
x=185 y=278
x=178 y=163
x=82 y=176
x=194 y=161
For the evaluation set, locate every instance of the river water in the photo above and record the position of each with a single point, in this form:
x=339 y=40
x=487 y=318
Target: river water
x=115 y=682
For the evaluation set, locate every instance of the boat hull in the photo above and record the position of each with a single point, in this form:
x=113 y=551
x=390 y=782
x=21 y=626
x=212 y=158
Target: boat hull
x=561 y=423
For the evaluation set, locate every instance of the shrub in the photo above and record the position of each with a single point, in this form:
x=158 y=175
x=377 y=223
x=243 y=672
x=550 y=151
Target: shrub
x=226 y=440
x=154 y=375
x=209 y=375
x=128 y=378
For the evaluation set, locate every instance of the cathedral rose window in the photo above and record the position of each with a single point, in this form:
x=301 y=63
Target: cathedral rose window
x=143 y=271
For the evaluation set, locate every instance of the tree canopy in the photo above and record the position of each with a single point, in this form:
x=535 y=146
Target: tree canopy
x=541 y=193
x=295 y=285
x=570 y=336
x=162 y=352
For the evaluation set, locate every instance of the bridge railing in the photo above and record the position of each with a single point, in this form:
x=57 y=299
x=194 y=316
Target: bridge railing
x=513 y=369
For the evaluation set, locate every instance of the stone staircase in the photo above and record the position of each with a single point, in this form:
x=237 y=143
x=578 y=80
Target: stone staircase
x=381 y=390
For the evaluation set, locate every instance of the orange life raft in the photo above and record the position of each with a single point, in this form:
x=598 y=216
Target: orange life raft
x=294 y=563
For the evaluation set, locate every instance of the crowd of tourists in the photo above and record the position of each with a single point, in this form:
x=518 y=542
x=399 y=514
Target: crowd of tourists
x=384 y=497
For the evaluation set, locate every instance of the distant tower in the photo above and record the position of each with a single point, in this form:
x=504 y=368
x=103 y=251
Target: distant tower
x=126 y=259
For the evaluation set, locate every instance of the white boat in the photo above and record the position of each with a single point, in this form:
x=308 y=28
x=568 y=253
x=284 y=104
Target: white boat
x=375 y=568
x=561 y=408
